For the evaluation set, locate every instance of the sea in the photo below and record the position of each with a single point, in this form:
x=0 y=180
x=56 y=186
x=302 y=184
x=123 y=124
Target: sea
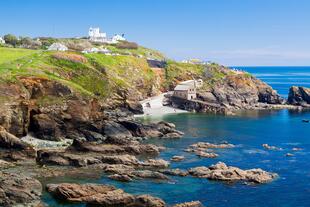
x=248 y=130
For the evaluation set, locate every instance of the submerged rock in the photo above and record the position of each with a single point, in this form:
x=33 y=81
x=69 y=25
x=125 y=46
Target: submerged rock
x=174 y=172
x=19 y=190
x=177 y=158
x=268 y=147
x=122 y=178
x=202 y=149
x=189 y=204
x=103 y=195
x=221 y=171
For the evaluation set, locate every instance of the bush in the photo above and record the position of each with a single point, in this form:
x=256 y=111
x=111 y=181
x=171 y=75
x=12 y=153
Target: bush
x=29 y=43
x=70 y=57
x=10 y=39
x=127 y=45
x=77 y=45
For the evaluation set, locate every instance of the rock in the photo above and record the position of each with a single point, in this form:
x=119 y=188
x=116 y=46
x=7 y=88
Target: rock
x=5 y=164
x=103 y=195
x=95 y=147
x=76 y=192
x=149 y=174
x=297 y=149
x=266 y=146
x=174 y=172
x=122 y=178
x=149 y=201
x=202 y=149
x=207 y=145
x=19 y=190
x=206 y=154
x=119 y=159
x=63 y=158
x=45 y=127
x=116 y=131
x=158 y=163
x=93 y=136
x=8 y=140
x=189 y=204
x=177 y=158
x=116 y=168
x=222 y=172
x=289 y=154
x=155 y=130
x=135 y=107
x=299 y=96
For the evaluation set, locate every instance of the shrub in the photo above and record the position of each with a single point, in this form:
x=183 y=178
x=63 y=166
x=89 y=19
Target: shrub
x=70 y=57
x=77 y=45
x=29 y=43
x=127 y=45
x=10 y=39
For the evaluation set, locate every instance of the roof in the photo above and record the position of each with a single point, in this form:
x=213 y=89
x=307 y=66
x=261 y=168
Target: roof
x=182 y=87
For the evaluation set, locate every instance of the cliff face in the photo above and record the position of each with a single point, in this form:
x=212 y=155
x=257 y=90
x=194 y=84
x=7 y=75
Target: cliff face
x=55 y=95
x=299 y=96
x=226 y=90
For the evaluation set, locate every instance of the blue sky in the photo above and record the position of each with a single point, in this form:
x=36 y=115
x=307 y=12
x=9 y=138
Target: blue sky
x=231 y=32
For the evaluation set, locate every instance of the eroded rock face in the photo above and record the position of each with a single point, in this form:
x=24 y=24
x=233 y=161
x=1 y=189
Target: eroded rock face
x=221 y=171
x=16 y=189
x=96 y=194
x=299 y=96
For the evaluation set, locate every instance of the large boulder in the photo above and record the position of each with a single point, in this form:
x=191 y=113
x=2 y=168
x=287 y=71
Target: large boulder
x=103 y=195
x=19 y=190
x=221 y=171
x=299 y=96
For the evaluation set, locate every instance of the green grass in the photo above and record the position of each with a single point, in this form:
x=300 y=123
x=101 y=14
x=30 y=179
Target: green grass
x=11 y=54
x=176 y=72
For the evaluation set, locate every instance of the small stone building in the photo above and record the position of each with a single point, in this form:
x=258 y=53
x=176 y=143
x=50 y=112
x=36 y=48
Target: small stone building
x=58 y=47
x=185 y=90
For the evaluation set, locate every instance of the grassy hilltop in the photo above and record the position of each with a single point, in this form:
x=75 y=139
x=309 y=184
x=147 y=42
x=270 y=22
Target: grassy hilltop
x=127 y=74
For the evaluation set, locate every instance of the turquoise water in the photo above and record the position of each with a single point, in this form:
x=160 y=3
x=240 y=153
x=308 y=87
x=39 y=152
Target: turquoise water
x=247 y=130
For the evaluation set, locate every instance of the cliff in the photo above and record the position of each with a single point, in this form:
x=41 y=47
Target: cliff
x=227 y=90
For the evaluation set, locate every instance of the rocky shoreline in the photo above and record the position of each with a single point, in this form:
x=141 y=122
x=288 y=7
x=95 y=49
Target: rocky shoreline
x=72 y=134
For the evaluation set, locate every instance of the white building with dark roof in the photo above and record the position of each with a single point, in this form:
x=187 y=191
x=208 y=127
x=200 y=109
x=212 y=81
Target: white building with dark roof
x=96 y=36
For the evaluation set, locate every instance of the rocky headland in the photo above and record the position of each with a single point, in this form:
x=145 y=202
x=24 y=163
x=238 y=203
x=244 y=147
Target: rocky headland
x=68 y=113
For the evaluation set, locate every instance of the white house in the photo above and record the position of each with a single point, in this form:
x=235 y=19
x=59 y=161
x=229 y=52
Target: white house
x=58 y=47
x=187 y=89
x=2 y=40
x=118 y=37
x=96 y=36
